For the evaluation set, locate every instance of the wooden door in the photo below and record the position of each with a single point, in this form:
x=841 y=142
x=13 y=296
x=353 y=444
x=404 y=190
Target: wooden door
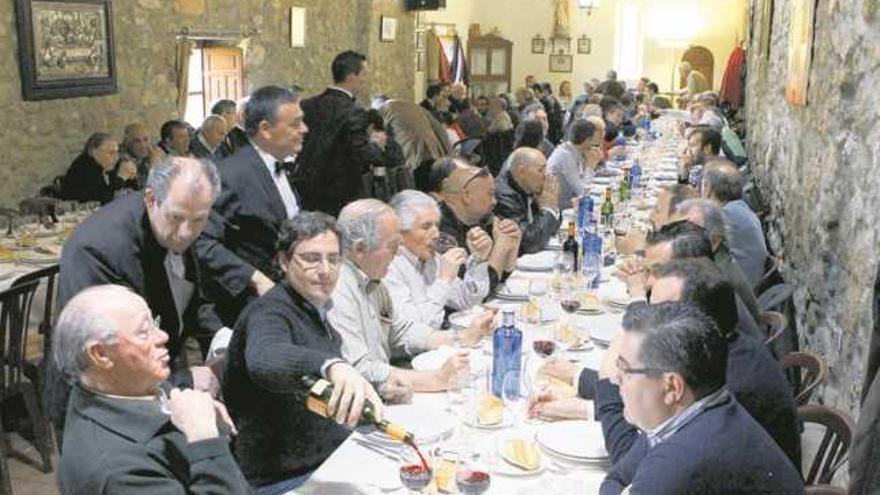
x=702 y=60
x=222 y=75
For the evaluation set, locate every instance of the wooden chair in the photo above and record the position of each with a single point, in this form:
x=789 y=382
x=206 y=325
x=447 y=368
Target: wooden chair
x=18 y=376
x=834 y=448
x=774 y=324
x=805 y=371
x=824 y=490
x=49 y=275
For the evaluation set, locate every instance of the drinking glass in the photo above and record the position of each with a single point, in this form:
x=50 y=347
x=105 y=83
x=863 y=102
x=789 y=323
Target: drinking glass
x=413 y=473
x=471 y=475
x=515 y=393
x=456 y=388
x=443 y=243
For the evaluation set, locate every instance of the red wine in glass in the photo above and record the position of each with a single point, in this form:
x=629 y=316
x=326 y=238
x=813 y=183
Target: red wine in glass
x=472 y=482
x=570 y=305
x=544 y=347
x=415 y=477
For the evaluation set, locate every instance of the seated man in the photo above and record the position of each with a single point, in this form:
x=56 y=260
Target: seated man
x=127 y=436
x=209 y=139
x=667 y=200
x=422 y=281
x=573 y=161
x=373 y=331
x=280 y=337
x=467 y=197
x=670 y=365
x=703 y=144
x=139 y=148
x=723 y=182
x=174 y=135
x=529 y=196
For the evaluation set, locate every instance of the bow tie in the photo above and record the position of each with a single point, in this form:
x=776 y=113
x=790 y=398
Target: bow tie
x=286 y=167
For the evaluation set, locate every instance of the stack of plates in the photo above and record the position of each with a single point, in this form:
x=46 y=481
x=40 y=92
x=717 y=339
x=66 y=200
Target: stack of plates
x=576 y=442
x=538 y=262
x=617 y=302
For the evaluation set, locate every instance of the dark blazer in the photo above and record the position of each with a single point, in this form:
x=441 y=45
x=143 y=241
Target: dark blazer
x=84 y=181
x=199 y=150
x=130 y=447
x=336 y=152
x=279 y=338
x=240 y=237
x=450 y=224
x=513 y=204
x=721 y=451
x=115 y=245
x=235 y=139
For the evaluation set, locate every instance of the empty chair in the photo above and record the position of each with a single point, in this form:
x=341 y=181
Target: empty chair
x=805 y=372
x=834 y=448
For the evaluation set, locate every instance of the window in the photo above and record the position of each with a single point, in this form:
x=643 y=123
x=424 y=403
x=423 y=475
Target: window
x=629 y=42
x=195 y=94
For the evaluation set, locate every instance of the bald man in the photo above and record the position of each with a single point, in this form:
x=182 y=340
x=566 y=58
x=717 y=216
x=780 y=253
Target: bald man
x=529 y=196
x=208 y=141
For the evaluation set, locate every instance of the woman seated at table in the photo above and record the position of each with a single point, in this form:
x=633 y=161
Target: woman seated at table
x=423 y=281
x=91 y=176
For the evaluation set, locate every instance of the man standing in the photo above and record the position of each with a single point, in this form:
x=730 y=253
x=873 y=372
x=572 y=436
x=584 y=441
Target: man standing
x=209 y=139
x=127 y=436
x=237 y=249
x=529 y=196
x=143 y=241
x=696 y=83
x=338 y=150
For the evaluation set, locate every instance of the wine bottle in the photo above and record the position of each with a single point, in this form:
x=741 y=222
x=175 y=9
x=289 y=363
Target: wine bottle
x=318 y=399
x=571 y=244
x=607 y=208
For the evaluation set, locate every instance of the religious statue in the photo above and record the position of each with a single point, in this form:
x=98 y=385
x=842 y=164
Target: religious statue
x=561 y=18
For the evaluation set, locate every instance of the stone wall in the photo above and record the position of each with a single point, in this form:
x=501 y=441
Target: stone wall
x=42 y=137
x=817 y=166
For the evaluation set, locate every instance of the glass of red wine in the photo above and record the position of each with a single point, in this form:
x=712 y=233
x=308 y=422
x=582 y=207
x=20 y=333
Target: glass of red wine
x=471 y=476
x=415 y=472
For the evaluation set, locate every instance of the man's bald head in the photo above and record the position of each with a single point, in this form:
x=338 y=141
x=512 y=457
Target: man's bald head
x=528 y=167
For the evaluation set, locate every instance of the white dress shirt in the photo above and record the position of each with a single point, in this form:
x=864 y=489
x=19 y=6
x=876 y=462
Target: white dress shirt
x=281 y=182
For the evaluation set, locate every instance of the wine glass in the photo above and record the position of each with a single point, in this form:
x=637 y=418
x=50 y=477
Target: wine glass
x=471 y=475
x=543 y=343
x=515 y=392
x=455 y=391
x=415 y=472
x=537 y=292
x=443 y=243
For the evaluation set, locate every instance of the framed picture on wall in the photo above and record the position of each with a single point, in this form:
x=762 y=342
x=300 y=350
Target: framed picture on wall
x=560 y=63
x=65 y=49
x=538 y=44
x=388 y=29
x=585 y=45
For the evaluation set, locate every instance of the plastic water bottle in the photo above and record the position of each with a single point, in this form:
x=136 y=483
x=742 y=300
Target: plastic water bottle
x=506 y=353
x=591 y=264
x=585 y=212
x=635 y=176
x=620 y=141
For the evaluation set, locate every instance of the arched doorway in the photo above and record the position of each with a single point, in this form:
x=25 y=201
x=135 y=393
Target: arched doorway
x=702 y=60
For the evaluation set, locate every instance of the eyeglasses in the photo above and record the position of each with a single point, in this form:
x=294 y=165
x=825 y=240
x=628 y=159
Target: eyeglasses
x=453 y=177
x=482 y=172
x=624 y=369
x=311 y=261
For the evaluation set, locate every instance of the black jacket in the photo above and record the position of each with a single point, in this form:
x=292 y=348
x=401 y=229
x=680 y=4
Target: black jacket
x=199 y=150
x=337 y=151
x=450 y=224
x=85 y=181
x=235 y=140
x=116 y=245
x=513 y=203
x=240 y=238
x=130 y=447
x=279 y=338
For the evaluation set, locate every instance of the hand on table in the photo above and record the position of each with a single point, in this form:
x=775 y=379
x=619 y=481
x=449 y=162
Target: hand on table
x=456 y=364
x=479 y=327
x=633 y=241
x=350 y=391
x=396 y=390
x=560 y=369
x=551 y=405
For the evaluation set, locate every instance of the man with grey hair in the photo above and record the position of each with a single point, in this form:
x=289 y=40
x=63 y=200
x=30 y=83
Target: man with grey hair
x=528 y=195
x=707 y=214
x=427 y=275
x=208 y=140
x=127 y=434
x=723 y=182
x=696 y=82
x=144 y=242
x=374 y=331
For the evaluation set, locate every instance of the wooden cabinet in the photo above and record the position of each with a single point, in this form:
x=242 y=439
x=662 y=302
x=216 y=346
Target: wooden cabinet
x=489 y=59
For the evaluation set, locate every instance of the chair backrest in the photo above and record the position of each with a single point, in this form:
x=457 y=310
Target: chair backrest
x=824 y=490
x=772 y=275
x=834 y=448
x=15 y=310
x=775 y=298
x=773 y=324
x=49 y=274
x=805 y=371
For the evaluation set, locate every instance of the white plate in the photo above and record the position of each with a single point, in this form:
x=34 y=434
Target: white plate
x=427 y=425
x=505 y=468
x=471 y=420
x=538 y=262
x=602 y=327
x=514 y=288
x=576 y=439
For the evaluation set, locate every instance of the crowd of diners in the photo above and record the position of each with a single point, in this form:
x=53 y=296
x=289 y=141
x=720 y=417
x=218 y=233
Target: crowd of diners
x=254 y=237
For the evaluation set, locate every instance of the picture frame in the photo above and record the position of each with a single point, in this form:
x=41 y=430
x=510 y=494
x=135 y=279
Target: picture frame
x=584 y=45
x=560 y=62
x=65 y=48
x=297 y=27
x=539 y=44
x=561 y=45
x=388 y=29
x=800 y=51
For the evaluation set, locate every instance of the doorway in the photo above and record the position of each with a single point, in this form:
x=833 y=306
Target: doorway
x=215 y=73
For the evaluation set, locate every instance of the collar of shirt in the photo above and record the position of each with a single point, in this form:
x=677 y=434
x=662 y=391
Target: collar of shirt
x=268 y=160
x=201 y=138
x=175 y=260
x=672 y=425
x=366 y=285
x=423 y=267
x=349 y=93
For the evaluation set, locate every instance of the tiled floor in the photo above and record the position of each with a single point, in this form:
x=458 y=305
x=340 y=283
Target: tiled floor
x=27 y=479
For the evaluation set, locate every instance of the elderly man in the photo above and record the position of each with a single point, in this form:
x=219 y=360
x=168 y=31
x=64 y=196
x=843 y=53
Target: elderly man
x=669 y=366
x=143 y=241
x=373 y=331
x=696 y=82
x=723 y=182
x=128 y=436
x=424 y=282
x=237 y=249
x=174 y=138
x=209 y=139
x=233 y=114
x=573 y=162
x=139 y=148
x=279 y=338
x=535 y=113
x=529 y=196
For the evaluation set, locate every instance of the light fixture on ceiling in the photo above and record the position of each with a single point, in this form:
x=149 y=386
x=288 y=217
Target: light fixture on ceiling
x=589 y=5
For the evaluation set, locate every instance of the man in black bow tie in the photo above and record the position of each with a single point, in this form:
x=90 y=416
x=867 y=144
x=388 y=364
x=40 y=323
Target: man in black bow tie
x=339 y=148
x=237 y=247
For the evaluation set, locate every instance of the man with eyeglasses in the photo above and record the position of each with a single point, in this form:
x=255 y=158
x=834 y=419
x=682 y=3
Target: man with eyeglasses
x=125 y=434
x=144 y=242
x=670 y=366
x=280 y=337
